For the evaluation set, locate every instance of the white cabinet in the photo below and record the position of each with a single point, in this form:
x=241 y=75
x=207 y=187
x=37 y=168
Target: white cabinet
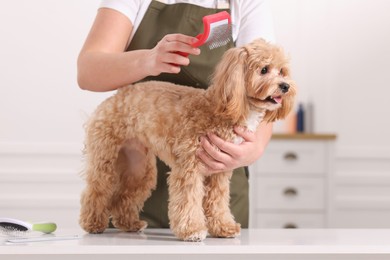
x=289 y=184
x=289 y=193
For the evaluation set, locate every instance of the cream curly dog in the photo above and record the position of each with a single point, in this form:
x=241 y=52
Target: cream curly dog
x=145 y=120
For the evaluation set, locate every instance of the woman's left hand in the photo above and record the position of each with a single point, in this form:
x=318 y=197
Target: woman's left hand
x=219 y=155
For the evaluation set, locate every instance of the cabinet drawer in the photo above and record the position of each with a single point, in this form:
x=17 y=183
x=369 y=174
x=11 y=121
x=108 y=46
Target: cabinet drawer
x=292 y=157
x=276 y=220
x=288 y=193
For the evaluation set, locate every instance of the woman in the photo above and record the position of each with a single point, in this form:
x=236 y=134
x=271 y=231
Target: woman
x=136 y=40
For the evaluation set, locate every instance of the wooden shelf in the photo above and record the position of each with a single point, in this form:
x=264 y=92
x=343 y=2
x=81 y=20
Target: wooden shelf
x=304 y=136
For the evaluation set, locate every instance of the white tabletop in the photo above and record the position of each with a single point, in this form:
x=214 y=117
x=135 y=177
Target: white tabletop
x=251 y=244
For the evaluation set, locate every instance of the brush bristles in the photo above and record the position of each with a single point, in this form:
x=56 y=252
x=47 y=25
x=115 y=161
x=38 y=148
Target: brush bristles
x=12 y=232
x=219 y=36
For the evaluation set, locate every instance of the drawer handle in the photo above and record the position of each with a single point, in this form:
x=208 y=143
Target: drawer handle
x=290 y=226
x=290 y=156
x=290 y=192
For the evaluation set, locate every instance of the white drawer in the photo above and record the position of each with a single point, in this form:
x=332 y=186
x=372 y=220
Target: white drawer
x=275 y=220
x=288 y=193
x=292 y=157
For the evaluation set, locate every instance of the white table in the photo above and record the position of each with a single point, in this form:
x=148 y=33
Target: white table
x=158 y=244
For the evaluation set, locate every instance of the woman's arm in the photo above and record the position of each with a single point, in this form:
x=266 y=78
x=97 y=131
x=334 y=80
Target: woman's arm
x=104 y=65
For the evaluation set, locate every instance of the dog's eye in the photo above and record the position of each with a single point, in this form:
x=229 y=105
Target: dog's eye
x=264 y=70
x=281 y=72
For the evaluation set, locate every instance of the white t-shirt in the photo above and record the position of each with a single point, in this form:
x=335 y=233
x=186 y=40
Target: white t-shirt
x=251 y=19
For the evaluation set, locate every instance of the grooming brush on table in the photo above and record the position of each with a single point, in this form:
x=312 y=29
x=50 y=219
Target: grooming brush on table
x=14 y=226
x=217 y=31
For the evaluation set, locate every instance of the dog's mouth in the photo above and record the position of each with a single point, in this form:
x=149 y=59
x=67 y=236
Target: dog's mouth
x=274 y=99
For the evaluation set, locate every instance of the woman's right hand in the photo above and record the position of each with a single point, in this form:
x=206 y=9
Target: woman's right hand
x=104 y=64
x=165 y=57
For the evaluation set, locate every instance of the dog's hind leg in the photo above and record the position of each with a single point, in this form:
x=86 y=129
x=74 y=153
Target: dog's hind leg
x=101 y=180
x=185 y=211
x=136 y=167
x=220 y=221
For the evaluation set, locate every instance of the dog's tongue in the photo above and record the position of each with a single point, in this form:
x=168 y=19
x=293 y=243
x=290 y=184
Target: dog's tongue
x=278 y=99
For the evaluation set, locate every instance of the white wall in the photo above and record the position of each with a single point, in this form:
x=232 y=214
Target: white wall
x=341 y=60
x=41 y=102
x=339 y=51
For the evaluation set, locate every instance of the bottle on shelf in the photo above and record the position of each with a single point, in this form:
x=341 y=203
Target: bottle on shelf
x=300 y=119
x=309 y=118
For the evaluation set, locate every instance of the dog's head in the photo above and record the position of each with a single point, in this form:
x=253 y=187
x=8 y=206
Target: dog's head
x=254 y=77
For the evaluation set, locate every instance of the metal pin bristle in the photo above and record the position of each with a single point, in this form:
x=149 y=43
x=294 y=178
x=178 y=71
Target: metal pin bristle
x=12 y=232
x=219 y=36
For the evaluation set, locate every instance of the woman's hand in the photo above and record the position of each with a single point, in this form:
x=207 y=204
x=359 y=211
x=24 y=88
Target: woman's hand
x=104 y=64
x=219 y=155
x=165 y=57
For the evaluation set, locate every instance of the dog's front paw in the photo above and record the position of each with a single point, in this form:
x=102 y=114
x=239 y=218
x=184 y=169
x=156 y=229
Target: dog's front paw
x=130 y=226
x=198 y=236
x=224 y=229
x=93 y=226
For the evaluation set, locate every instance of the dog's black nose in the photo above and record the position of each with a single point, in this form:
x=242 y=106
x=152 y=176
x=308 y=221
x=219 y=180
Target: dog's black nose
x=284 y=87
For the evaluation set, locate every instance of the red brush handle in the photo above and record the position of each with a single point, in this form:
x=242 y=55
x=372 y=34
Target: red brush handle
x=207 y=21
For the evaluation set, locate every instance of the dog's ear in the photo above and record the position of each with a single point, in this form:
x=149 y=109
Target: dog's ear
x=285 y=109
x=229 y=83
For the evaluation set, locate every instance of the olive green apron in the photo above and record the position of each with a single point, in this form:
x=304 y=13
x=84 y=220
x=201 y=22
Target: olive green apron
x=161 y=19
